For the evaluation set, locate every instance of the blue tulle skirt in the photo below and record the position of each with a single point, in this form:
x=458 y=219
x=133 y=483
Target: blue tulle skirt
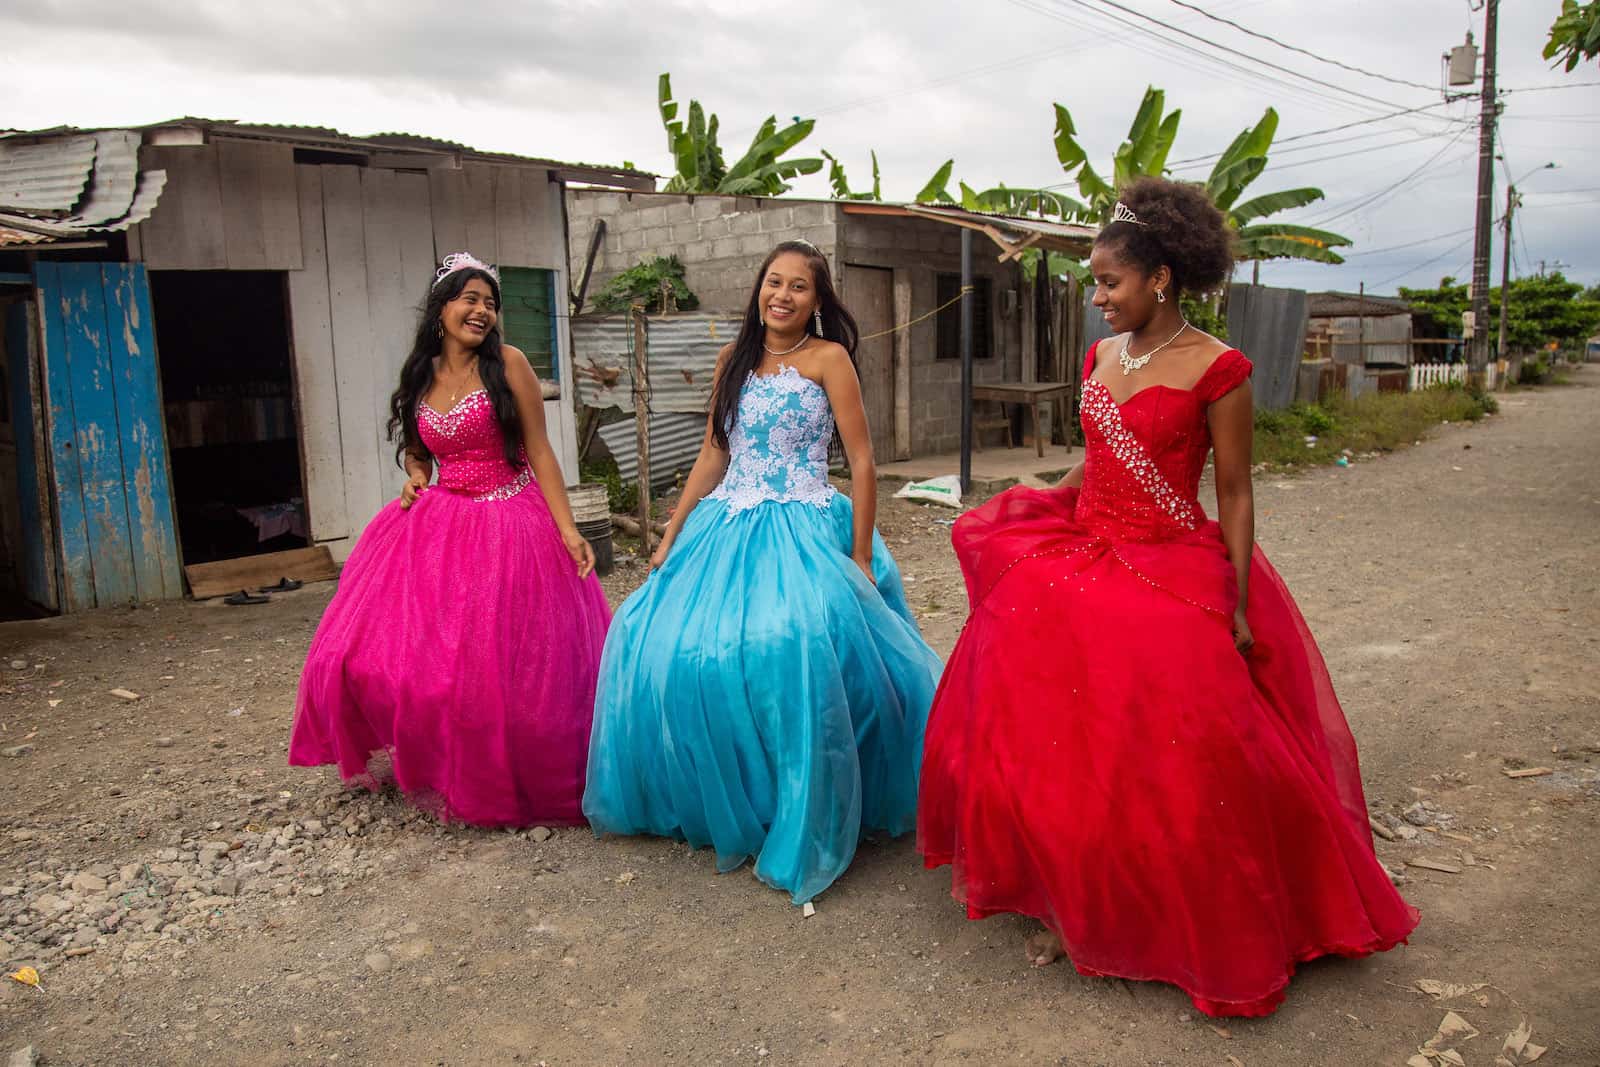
x=757 y=694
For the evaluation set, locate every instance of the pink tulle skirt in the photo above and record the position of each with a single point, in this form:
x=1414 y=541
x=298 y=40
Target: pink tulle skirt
x=463 y=645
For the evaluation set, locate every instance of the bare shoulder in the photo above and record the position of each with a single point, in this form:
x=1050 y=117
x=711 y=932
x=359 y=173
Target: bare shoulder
x=724 y=354
x=831 y=355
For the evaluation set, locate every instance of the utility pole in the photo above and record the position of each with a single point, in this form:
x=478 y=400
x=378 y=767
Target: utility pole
x=1478 y=351
x=1505 y=271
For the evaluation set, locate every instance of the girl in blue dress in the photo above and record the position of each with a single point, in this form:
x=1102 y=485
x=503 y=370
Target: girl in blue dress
x=765 y=691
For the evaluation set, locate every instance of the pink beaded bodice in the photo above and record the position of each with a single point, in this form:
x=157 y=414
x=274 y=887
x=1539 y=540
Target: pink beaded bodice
x=471 y=455
x=1141 y=479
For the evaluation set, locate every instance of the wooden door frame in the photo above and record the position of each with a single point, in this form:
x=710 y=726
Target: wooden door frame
x=899 y=406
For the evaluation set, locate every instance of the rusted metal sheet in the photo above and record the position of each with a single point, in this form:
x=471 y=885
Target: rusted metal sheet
x=674 y=442
x=682 y=357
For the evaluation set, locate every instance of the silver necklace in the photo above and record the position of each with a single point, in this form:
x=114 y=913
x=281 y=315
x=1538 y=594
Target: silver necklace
x=1133 y=363
x=786 y=351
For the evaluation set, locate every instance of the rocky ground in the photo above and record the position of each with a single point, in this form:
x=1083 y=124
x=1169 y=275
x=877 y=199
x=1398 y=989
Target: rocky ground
x=185 y=897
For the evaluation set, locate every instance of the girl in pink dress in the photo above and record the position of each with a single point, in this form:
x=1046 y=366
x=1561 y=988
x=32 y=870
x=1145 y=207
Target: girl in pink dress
x=465 y=637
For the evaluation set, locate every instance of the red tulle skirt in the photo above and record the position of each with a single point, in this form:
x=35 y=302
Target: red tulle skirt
x=1099 y=756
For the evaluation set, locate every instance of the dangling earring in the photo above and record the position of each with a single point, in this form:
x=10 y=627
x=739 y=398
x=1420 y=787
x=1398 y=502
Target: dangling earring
x=438 y=329
x=1161 y=297
x=817 y=317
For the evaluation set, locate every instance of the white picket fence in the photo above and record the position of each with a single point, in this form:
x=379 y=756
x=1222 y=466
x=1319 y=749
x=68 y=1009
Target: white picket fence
x=1424 y=375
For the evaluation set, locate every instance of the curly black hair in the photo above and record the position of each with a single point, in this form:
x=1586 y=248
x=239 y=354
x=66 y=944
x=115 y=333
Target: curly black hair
x=1179 y=228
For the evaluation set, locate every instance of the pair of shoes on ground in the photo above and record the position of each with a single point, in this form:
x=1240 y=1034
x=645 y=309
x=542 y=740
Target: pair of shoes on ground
x=260 y=596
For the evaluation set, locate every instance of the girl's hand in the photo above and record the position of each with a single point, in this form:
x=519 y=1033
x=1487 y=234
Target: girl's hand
x=658 y=558
x=1243 y=639
x=580 y=550
x=415 y=486
x=866 y=568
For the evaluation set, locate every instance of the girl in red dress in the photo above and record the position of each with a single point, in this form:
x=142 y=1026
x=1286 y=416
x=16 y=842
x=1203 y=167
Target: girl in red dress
x=1135 y=740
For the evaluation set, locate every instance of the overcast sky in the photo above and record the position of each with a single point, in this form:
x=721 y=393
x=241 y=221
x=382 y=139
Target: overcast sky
x=918 y=82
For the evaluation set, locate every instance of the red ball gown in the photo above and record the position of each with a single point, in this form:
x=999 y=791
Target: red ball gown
x=1101 y=757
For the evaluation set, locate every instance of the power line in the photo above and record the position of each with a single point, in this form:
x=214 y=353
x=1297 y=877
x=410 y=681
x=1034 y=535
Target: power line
x=1208 y=157
x=1234 y=51
x=1408 y=244
x=1548 y=88
x=1381 y=194
x=1181 y=51
x=1305 y=52
x=1452 y=250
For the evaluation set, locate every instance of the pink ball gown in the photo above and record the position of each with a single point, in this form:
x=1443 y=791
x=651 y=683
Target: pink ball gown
x=1101 y=757
x=461 y=642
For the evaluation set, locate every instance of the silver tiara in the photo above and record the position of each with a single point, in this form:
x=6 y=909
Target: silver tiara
x=463 y=261
x=1123 y=213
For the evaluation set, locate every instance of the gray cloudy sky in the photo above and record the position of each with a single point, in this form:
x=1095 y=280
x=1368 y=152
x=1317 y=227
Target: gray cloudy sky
x=918 y=82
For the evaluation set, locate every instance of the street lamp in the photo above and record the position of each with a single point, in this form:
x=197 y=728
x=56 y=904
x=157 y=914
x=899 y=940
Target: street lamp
x=1505 y=259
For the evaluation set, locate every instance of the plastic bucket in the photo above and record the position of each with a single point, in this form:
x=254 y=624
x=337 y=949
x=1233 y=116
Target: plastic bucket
x=598 y=533
x=590 y=503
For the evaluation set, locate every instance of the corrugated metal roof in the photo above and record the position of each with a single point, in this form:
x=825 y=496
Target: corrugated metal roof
x=10 y=238
x=1070 y=238
x=682 y=352
x=327 y=136
x=106 y=191
x=48 y=177
x=1331 y=304
x=674 y=443
x=111 y=187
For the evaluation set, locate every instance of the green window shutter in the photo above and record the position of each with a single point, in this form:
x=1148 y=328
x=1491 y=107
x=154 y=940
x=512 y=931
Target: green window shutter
x=527 y=318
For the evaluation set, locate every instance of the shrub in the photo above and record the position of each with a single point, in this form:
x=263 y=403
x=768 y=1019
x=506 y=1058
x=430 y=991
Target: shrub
x=643 y=283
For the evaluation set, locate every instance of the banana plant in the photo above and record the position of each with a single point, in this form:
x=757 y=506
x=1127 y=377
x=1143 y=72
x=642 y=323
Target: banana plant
x=1143 y=153
x=698 y=163
x=1239 y=165
x=841 y=184
x=937 y=191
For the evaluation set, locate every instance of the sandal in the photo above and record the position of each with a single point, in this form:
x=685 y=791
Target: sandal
x=244 y=596
x=285 y=585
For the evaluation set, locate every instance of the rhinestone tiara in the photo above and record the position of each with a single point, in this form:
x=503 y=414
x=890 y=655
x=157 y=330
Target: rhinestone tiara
x=463 y=261
x=1123 y=213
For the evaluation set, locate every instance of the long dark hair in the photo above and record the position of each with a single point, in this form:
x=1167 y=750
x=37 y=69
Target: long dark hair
x=416 y=375
x=837 y=325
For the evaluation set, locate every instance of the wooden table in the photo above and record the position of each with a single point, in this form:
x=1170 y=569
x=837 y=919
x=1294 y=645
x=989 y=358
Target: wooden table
x=1029 y=394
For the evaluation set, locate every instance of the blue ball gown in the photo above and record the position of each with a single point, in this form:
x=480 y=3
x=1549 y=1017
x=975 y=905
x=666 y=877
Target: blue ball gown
x=757 y=694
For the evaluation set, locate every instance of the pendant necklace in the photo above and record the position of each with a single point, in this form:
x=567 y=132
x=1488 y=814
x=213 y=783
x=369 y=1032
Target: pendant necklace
x=1133 y=363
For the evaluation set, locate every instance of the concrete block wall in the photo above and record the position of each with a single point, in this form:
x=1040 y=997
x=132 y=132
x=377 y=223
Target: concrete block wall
x=721 y=240
x=920 y=250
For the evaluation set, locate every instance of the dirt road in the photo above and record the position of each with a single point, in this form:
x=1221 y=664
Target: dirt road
x=189 y=899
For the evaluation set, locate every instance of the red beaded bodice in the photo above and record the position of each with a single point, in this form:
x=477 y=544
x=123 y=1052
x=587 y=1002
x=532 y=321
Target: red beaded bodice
x=1144 y=457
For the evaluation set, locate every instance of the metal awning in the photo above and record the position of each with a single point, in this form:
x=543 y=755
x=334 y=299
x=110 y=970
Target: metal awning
x=1014 y=234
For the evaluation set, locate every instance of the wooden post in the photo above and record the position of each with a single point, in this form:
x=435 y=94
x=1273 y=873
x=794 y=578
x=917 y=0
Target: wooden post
x=967 y=308
x=641 y=417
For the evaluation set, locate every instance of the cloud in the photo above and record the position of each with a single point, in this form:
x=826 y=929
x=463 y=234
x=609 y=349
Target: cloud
x=917 y=83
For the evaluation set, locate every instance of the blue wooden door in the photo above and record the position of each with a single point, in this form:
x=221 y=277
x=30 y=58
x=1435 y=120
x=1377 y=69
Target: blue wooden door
x=117 y=539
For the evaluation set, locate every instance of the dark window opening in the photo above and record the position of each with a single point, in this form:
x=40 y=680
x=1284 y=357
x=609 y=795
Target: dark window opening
x=227 y=387
x=948 y=323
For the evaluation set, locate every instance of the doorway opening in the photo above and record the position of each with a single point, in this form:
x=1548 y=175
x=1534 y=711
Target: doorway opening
x=227 y=389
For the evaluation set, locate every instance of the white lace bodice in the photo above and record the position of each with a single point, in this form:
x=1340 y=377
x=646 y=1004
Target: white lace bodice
x=778 y=448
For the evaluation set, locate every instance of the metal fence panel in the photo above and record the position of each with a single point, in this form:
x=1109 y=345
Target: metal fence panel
x=1269 y=326
x=674 y=442
x=682 y=352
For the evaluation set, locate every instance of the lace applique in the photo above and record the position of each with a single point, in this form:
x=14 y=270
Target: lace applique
x=778 y=447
